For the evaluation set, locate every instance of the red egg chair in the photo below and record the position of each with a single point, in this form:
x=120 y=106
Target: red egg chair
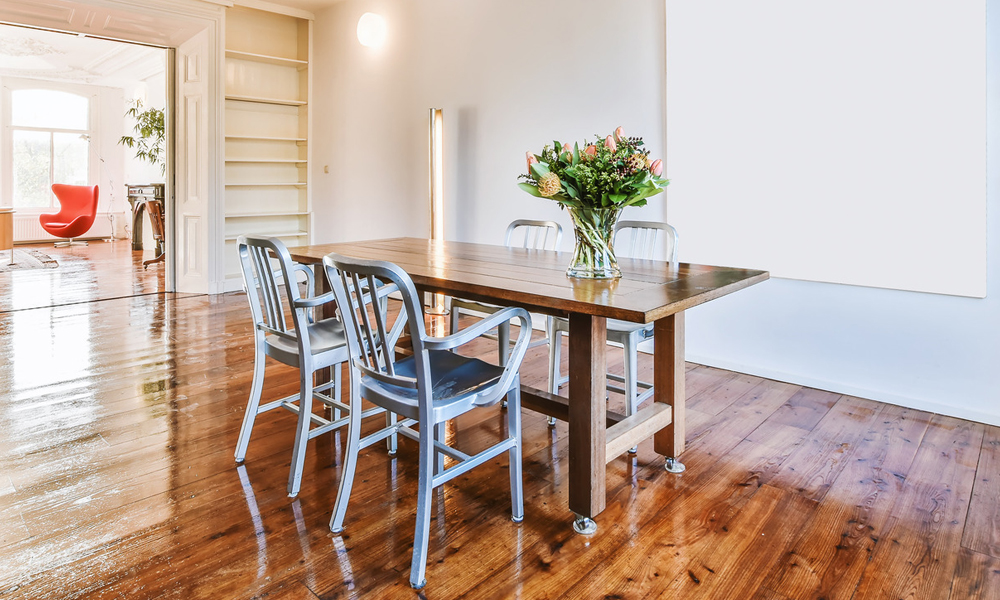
x=77 y=210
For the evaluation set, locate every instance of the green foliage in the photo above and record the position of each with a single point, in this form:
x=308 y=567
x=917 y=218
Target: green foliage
x=149 y=137
x=597 y=176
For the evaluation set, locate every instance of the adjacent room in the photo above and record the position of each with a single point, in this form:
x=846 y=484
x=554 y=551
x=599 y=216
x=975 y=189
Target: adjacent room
x=499 y=299
x=84 y=166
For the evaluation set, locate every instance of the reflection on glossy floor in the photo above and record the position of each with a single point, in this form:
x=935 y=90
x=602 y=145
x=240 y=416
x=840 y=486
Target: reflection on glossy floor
x=98 y=271
x=118 y=421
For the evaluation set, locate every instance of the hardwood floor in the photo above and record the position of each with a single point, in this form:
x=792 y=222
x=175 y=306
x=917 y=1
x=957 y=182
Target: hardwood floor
x=118 y=421
x=98 y=271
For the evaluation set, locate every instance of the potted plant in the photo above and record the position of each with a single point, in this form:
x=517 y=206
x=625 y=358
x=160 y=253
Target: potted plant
x=148 y=139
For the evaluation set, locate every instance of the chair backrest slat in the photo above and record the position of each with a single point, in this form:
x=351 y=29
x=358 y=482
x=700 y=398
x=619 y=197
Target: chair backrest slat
x=641 y=239
x=533 y=235
x=360 y=291
x=262 y=279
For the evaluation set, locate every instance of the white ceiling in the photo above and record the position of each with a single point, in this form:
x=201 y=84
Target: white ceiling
x=38 y=54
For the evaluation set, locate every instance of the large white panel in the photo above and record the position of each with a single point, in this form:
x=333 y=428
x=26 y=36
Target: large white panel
x=830 y=141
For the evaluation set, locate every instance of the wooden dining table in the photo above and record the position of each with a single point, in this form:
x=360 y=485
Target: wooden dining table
x=648 y=292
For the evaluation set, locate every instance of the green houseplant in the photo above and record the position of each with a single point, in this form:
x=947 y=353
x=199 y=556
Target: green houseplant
x=149 y=137
x=594 y=184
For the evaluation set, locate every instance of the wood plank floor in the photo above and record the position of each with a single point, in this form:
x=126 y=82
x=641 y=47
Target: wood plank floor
x=118 y=420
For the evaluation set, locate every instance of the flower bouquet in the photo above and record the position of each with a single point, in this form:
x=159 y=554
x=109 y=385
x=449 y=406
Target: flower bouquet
x=595 y=184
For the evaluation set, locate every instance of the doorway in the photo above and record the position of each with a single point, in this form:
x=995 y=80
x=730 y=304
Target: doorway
x=82 y=111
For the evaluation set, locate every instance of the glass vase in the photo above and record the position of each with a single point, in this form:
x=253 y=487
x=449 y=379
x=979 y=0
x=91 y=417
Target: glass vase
x=594 y=254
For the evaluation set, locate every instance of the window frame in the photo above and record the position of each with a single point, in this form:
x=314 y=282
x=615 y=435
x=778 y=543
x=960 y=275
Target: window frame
x=11 y=84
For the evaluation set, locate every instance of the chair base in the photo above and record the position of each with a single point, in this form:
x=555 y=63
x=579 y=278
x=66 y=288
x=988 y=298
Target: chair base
x=71 y=242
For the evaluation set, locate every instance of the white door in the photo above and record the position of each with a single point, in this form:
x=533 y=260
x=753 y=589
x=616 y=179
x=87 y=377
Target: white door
x=192 y=215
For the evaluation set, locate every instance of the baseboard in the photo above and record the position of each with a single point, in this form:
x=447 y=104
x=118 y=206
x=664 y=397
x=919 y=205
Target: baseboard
x=979 y=416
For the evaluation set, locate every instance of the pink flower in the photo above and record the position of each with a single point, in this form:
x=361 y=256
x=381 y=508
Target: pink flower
x=567 y=148
x=656 y=168
x=610 y=143
x=531 y=160
x=590 y=151
x=619 y=134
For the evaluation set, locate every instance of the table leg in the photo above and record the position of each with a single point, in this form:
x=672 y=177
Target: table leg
x=668 y=386
x=587 y=413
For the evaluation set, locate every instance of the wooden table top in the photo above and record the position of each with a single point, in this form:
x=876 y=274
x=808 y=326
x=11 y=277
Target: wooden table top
x=648 y=290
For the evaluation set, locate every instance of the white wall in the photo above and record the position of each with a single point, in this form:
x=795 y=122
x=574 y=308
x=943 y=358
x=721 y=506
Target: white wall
x=512 y=74
x=939 y=353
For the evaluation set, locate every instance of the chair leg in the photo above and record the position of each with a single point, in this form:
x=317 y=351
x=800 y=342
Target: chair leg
x=439 y=433
x=253 y=404
x=421 y=532
x=391 y=442
x=514 y=427
x=503 y=342
x=302 y=431
x=350 y=459
x=338 y=391
x=555 y=356
x=630 y=350
x=453 y=319
x=631 y=382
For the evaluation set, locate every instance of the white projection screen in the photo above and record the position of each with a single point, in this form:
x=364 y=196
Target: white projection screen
x=836 y=141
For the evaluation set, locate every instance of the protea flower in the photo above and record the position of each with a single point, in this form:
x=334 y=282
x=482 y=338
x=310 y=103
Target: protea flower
x=610 y=143
x=619 y=134
x=590 y=151
x=549 y=185
x=531 y=160
x=635 y=162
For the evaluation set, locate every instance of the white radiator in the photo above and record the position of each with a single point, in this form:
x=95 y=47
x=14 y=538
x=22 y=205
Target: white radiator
x=28 y=229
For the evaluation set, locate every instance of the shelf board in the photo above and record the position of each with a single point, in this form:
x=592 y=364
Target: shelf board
x=261 y=100
x=271 y=184
x=265 y=214
x=264 y=138
x=268 y=160
x=290 y=234
x=264 y=58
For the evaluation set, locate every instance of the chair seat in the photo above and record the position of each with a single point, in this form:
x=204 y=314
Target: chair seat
x=456 y=381
x=324 y=336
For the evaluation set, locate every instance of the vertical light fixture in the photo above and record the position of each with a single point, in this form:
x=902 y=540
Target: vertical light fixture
x=436 y=190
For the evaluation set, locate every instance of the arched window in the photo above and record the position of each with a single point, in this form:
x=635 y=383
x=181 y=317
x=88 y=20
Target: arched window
x=49 y=133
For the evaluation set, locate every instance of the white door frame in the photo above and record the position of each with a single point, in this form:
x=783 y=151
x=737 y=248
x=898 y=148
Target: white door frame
x=194 y=263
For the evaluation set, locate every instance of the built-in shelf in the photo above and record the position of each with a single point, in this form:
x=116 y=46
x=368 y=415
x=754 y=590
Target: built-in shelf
x=251 y=215
x=264 y=58
x=268 y=160
x=267 y=184
x=290 y=234
x=268 y=87
x=264 y=138
x=263 y=100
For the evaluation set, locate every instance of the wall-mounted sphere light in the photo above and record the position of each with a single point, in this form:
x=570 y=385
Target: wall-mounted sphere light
x=371 y=30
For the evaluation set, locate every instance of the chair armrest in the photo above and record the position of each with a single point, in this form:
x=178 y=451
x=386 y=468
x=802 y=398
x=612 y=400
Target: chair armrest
x=477 y=329
x=310 y=277
x=314 y=301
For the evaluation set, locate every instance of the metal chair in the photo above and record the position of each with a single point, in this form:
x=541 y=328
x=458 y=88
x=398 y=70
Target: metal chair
x=325 y=346
x=522 y=233
x=635 y=239
x=428 y=387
